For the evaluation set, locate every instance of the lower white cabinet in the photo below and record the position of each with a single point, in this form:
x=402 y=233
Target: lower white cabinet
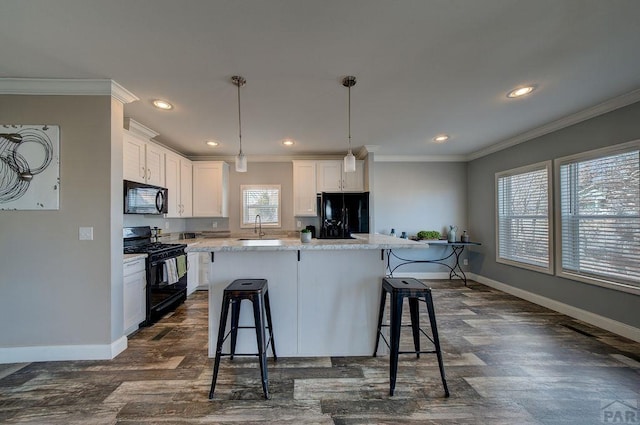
x=193 y=273
x=134 y=295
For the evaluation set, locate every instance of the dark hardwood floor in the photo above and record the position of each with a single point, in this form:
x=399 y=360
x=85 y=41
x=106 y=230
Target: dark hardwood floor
x=507 y=362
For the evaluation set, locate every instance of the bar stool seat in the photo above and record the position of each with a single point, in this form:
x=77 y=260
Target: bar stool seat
x=256 y=291
x=415 y=291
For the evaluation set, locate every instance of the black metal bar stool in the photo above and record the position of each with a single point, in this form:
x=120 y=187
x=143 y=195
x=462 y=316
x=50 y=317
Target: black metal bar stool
x=256 y=291
x=414 y=290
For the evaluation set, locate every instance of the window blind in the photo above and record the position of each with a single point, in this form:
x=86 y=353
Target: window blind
x=600 y=217
x=523 y=217
x=263 y=201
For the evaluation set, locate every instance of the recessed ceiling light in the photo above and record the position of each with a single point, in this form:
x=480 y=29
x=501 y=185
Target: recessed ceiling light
x=288 y=142
x=212 y=143
x=441 y=138
x=521 y=91
x=162 y=104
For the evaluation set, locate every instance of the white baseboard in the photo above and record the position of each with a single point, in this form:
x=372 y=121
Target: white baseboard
x=63 y=352
x=610 y=325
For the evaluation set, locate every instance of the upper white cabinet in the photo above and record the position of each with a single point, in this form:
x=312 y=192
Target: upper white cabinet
x=143 y=160
x=330 y=177
x=210 y=189
x=178 y=181
x=304 y=189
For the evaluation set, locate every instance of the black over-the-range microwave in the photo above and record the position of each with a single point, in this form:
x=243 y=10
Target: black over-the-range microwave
x=140 y=198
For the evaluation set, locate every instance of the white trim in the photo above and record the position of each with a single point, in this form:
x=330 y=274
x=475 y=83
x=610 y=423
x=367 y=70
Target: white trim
x=602 y=322
x=136 y=128
x=66 y=86
x=592 y=112
x=266 y=158
x=419 y=158
x=63 y=352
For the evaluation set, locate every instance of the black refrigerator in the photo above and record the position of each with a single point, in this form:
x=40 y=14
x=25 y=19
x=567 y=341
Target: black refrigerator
x=342 y=214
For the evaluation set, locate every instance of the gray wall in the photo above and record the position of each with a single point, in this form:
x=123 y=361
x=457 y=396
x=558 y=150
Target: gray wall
x=57 y=290
x=615 y=127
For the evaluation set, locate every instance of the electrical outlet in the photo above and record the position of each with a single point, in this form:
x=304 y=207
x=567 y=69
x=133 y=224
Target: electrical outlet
x=299 y=223
x=465 y=262
x=166 y=225
x=85 y=234
x=214 y=225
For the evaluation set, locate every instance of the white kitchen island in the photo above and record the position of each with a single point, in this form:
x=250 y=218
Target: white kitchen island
x=324 y=294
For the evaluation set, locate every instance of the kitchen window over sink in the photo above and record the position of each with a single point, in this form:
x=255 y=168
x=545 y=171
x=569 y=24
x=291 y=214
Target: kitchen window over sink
x=263 y=200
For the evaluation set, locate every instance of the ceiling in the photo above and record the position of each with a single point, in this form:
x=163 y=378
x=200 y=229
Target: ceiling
x=423 y=67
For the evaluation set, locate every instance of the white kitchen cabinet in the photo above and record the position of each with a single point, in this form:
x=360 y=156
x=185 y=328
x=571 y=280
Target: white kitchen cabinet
x=134 y=295
x=193 y=271
x=304 y=189
x=210 y=189
x=330 y=177
x=203 y=277
x=178 y=181
x=143 y=160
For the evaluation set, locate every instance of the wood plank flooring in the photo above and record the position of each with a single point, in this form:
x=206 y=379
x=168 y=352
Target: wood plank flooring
x=507 y=362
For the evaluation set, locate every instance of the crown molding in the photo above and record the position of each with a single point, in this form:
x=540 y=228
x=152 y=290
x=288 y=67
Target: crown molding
x=419 y=158
x=265 y=158
x=66 y=87
x=137 y=128
x=592 y=112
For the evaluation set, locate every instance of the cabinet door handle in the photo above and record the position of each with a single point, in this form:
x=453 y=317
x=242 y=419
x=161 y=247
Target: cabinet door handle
x=148 y=173
x=144 y=172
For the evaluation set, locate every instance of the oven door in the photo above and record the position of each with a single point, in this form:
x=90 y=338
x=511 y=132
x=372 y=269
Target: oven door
x=163 y=296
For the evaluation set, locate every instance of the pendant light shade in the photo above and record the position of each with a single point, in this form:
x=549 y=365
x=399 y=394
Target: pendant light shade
x=241 y=159
x=241 y=162
x=349 y=163
x=349 y=159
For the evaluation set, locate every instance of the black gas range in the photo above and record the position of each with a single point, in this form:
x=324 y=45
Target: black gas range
x=165 y=269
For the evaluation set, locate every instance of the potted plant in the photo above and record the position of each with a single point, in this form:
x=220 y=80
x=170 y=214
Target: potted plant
x=428 y=235
x=305 y=235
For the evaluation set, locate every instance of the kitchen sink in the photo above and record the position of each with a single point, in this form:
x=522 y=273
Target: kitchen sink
x=261 y=242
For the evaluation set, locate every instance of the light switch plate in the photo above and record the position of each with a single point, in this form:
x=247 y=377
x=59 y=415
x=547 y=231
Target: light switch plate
x=85 y=234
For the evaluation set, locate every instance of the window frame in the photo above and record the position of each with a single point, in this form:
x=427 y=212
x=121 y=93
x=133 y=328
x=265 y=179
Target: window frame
x=580 y=157
x=544 y=165
x=251 y=223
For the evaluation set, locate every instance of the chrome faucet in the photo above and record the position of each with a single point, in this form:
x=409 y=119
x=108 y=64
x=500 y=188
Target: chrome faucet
x=258 y=222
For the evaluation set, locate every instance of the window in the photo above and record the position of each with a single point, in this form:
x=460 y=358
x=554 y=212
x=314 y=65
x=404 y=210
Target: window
x=262 y=200
x=523 y=217
x=599 y=217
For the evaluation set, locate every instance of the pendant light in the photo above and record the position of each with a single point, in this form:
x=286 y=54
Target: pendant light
x=349 y=159
x=241 y=159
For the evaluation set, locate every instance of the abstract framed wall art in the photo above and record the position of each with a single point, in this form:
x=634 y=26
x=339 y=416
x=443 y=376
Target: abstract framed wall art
x=29 y=167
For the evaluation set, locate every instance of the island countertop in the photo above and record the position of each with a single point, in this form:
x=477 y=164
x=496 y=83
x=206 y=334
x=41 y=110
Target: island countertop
x=361 y=241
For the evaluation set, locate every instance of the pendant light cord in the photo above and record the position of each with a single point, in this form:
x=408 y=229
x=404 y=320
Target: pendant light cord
x=239 y=118
x=349 y=118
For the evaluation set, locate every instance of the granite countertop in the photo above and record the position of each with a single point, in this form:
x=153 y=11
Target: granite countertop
x=133 y=257
x=361 y=241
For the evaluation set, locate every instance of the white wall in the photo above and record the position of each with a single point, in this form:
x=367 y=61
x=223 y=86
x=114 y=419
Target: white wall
x=414 y=196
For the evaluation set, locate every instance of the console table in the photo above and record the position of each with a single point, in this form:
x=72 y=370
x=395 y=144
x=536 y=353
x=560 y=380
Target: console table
x=456 y=251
